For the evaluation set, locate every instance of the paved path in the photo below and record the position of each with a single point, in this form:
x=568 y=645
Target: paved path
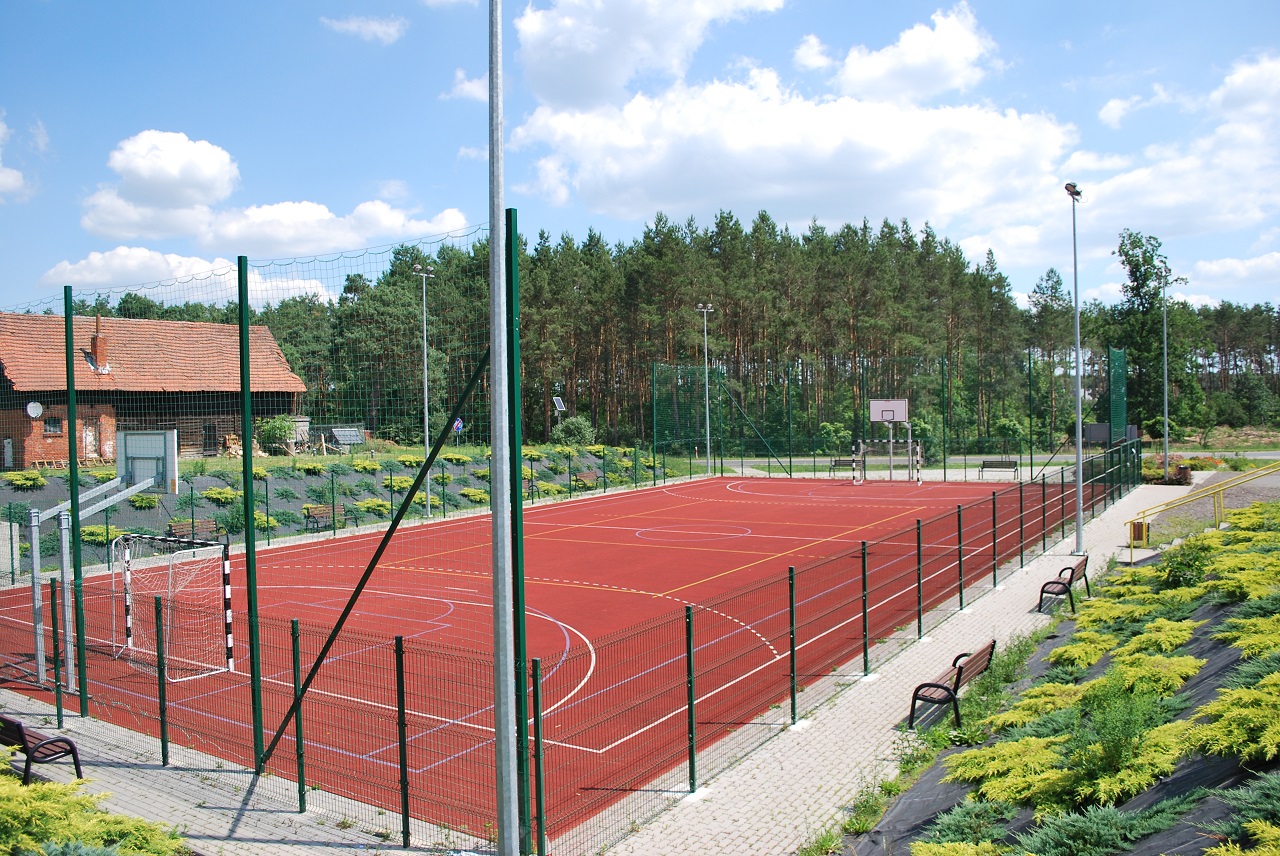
x=770 y=803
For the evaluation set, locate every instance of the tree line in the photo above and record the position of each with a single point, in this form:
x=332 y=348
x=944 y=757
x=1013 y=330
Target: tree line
x=805 y=327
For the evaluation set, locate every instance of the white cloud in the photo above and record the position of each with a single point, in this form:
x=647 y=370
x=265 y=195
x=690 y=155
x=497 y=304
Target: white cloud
x=923 y=63
x=1227 y=276
x=291 y=228
x=169 y=277
x=474 y=153
x=169 y=169
x=39 y=136
x=384 y=30
x=1082 y=162
x=128 y=266
x=580 y=53
x=1115 y=110
x=811 y=54
x=755 y=144
x=433 y=4
x=393 y=188
x=170 y=185
x=475 y=90
x=11 y=180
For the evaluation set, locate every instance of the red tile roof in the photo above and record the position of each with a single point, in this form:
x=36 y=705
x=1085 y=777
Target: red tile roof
x=143 y=356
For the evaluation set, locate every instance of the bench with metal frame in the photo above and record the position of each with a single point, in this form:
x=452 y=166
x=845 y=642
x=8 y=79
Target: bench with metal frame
x=38 y=748
x=1067 y=577
x=200 y=529
x=318 y=518
x=1003 y=464
x=945 y=688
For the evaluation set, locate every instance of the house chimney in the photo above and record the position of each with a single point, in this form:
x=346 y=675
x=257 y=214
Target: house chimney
x=98 y=346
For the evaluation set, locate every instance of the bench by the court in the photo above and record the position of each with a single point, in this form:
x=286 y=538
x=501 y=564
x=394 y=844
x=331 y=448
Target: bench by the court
x=37 y=748
x=945 y=688
x=1002 y=464
x=200 y=529
x=1067 y=577
x=320 y=517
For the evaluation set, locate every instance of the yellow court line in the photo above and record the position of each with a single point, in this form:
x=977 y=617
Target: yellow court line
x=776 y=556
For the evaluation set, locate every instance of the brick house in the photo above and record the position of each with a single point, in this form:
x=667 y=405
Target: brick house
x=131 y=375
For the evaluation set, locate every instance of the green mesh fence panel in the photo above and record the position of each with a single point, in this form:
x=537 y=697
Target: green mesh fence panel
x=1117 y=393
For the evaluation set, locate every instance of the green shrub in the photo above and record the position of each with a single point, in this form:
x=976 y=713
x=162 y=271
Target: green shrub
x=455 y=458
x=263 y=523
x=338 y=468
x=1102 y=831
x=971 y=822
x=98 y=534
x=276 y=433
x=311 y=468
x=475 y=495
x=231 y=521
x=365 y=465
x=401 y=484
x=1258 y=800
x=222 y=496
x=25 y=479
x=1186 y=564
x=287 y=517
x=574 y=431
x=318 y=493
x=144 y=501
x=16 y=512
x=188 y=501
x=374 y=506
x=411 y=461
x=31 y=815
x=102 y=475
x=286 y=494
x=442 y=479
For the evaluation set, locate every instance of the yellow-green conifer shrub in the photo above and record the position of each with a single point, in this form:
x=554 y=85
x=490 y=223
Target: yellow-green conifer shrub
x=1243 y=722
x=1086 y=648
x=47 y=812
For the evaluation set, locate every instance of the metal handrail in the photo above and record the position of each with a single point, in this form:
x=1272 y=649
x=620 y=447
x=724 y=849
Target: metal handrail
x=1215 y=491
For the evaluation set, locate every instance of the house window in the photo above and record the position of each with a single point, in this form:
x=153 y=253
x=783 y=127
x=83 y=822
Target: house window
x=53 y=425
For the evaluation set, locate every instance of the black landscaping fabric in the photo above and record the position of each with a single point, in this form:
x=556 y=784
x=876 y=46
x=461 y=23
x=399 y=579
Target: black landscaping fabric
x=911 y=814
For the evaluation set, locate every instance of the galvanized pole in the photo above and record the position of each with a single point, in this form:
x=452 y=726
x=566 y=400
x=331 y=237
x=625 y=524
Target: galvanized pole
x=1075 y=194
x=506 y=785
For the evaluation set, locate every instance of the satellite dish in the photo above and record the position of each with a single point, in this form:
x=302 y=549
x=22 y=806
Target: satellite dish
x=35 y=409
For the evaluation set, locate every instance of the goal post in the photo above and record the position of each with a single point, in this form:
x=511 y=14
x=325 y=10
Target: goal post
x=193 y=581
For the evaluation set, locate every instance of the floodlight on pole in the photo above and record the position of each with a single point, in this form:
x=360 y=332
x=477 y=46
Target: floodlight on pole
x=706 y=309
x=1075 y=194
x=426 y=274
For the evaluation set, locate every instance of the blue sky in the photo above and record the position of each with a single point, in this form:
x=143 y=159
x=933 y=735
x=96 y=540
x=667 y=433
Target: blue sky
x=142 y=141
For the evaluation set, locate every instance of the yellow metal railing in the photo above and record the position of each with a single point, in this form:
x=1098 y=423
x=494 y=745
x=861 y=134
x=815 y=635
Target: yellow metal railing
x=1140 y=529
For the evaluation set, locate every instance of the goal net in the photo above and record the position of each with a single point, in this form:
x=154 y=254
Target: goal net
x=193 y=581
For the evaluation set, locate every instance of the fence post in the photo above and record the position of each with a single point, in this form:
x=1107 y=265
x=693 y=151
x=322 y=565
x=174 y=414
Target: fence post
x=919 y=581
x=995 y=541
x=1022 y=531
x=1062 y=498
x=57 y=669
x=1044 y=513
x=192 y=495
x=13 y=546
x=402 y=738
x=791 y=611
x=299 y=745
x=866 y=631
x=266 y=495
x=960 y=549
x=693 y=722
x=160 y=688
x=333 y=504
x=539 y=791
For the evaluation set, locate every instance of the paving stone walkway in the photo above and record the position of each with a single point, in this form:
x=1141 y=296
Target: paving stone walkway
x=772 y=802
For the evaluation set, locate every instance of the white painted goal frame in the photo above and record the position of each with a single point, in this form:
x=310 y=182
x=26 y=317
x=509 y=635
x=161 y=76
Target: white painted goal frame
x=193 y=580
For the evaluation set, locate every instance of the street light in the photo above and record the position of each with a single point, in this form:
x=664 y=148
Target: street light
x=1075 y=194
x=426 y=274
x=705 y=309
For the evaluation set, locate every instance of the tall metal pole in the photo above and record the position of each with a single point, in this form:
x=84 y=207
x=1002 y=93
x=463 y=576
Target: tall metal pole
x=1074 y=193
x=504 y=683
x=250 y=544
x=73 y=463
x=1164 y=347
x=705 y=309
x=426 y=274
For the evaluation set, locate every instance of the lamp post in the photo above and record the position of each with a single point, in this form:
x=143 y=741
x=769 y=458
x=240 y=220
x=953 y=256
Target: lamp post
x=705 y=309
x=426 y=274
x=1075 y=194
x=1164 y=348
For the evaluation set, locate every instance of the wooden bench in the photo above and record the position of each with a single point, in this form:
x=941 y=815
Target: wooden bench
x=37 y=748
x=853 y=464
x=585 y=480
x=1002 y=465
x=320 y=517
x=1067 y=577
x=945 y=688
x=201 y=529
